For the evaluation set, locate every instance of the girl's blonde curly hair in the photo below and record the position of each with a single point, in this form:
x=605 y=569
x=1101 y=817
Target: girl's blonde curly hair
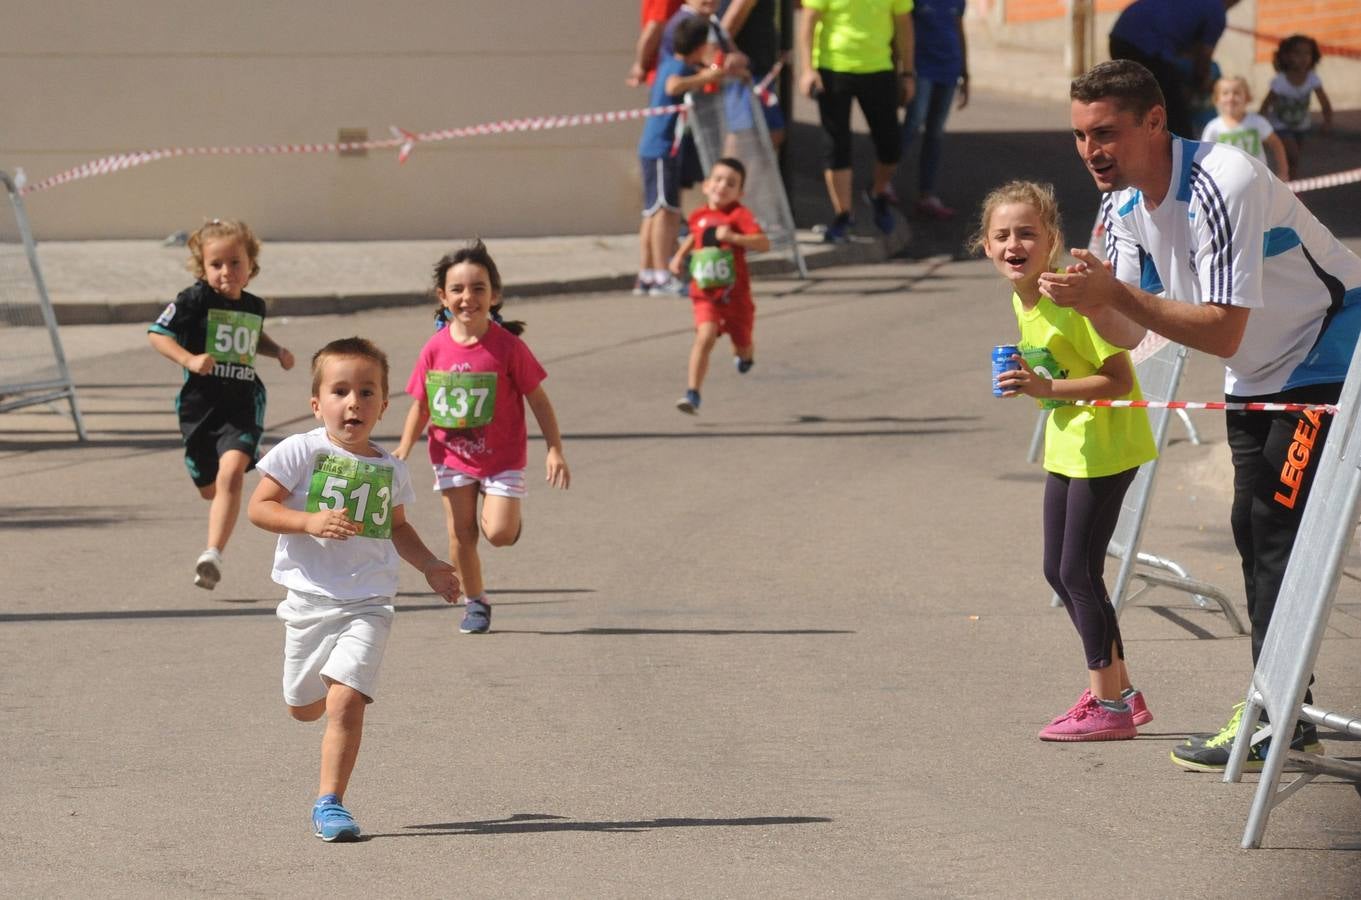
x=1037 y=194
x=223 y=228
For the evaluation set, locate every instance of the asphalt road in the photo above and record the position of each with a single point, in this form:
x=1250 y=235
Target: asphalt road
x=797 y=646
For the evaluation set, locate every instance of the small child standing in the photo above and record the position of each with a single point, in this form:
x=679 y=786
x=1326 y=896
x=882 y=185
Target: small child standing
x=1245 y=130
x=213 y=330
x=470 y=384
x=721 y=233
x=1091 y=454
x=661 y=167
x=338 y=503
x=1287 y=102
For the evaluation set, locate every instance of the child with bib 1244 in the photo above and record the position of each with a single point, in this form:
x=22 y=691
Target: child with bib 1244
x=338 y=503
x=213 y=331
x=1091 y=454
x=721 y=233
x=470 y=385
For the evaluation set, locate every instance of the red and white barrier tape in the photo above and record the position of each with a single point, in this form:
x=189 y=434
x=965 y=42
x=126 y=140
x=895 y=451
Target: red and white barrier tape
x=1301 y=185
x=403 y=142
x=1187 y=404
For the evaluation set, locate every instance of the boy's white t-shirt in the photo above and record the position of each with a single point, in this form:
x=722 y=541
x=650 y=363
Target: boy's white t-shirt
x=1248 y=135
x=352 y=569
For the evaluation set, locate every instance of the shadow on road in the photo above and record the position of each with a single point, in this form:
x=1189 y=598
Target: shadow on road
x=536 y=823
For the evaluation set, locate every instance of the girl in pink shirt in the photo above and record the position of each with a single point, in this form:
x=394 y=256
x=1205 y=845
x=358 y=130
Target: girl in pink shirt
x=470 y=385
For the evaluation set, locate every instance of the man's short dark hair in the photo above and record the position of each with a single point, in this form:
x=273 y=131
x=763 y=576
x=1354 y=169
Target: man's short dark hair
x=692 y=33
x=1127 y=84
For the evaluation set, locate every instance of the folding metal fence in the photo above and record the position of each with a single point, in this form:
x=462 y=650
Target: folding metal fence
x=1290 y=650
x=732 y=123
x=1159 y=375
x=32 y=365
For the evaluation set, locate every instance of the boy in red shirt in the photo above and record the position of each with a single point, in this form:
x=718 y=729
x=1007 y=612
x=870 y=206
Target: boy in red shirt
x=721 y=233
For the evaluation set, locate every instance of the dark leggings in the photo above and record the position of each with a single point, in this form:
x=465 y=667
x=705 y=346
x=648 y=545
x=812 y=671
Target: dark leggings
x=1079 y=518
x=1176 y=87
x=877 y=94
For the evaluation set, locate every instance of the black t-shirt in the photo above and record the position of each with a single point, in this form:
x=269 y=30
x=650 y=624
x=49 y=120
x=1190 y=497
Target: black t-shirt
x=759 y=37
x=236 y=328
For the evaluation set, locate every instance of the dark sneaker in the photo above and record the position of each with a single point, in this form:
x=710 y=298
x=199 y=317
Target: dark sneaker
x=1138 y=707
x=839 y=232
x=743 y=365
x=689 y=403
x=641 y=287
x=333 y=822
x=208 y=569
x=883 y=212
x=476 y=618
x=1212 y=754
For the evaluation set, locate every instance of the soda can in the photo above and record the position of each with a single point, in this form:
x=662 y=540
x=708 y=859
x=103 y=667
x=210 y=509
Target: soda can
x=1002 y=362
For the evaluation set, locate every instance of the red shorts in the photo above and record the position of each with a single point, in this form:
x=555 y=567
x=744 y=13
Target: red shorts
x=734 y=318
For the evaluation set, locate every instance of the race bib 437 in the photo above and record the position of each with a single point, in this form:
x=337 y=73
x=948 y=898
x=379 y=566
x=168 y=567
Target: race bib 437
x=460 y=399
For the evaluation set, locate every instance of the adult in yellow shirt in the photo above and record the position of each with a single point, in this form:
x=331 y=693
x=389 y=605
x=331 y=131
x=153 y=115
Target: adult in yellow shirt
x=862 y=51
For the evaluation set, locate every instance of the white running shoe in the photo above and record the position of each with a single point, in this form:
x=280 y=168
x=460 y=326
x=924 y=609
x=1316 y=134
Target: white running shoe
x=208 y=569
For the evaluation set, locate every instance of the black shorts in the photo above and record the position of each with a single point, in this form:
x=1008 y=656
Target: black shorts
x=210 y=430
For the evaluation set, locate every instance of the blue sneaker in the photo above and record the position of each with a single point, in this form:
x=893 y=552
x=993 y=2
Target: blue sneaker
x=743 y=365
x=883 y=212
x=477 y=618
x=839 y=232
x=689 y=403
x=333 y=822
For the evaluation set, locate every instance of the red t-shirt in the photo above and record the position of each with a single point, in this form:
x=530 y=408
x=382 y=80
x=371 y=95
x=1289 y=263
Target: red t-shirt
x=659 y=11
x=739 y=219
x=499 y=444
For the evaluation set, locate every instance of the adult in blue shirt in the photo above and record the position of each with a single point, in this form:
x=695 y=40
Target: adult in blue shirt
x=942 y=62
x=1160 y=34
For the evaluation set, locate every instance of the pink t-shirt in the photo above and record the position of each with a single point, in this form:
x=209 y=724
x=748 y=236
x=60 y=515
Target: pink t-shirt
x=497 y=445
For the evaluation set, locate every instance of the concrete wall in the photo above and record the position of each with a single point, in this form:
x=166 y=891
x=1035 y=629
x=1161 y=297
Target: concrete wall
x=83 y=79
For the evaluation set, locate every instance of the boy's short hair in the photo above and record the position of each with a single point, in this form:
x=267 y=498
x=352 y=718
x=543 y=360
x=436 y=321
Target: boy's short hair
x=1130 y=86
x=222 y=228
x=735 y=164
x=691 y=33
x=351 y=346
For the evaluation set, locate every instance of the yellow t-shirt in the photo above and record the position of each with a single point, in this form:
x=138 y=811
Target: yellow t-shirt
x=855 y=35
x=1082 y=441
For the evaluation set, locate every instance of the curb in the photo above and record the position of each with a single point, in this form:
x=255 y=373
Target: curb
x=816 y=255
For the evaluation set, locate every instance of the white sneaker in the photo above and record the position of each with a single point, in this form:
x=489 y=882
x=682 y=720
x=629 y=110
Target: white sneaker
x=208 y=569
x=672 y=287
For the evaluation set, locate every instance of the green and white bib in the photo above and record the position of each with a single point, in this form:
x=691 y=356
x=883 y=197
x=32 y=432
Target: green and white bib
x=232 y=336
x=363 y=489
x=460 y=399
x=712 y=267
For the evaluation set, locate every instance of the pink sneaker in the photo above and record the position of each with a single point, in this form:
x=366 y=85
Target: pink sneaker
x=1084 y=699
x=1139 y=708
x=1090 y=722
x=932 y=208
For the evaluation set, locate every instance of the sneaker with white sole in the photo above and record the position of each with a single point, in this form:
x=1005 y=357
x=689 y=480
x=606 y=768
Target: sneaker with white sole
x=743 y=366
x=672 y=287
x=689 y=403
x=476 y=617
x=208 y=569
x=332 y=822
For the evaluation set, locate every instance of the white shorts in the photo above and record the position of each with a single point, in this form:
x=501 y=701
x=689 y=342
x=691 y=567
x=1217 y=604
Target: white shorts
x=339 y=640
x=510 y=483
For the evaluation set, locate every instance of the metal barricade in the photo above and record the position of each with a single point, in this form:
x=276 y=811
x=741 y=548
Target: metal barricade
x=1159 y=375
x=32 y=365
x=731 y=122
x=1290 y=650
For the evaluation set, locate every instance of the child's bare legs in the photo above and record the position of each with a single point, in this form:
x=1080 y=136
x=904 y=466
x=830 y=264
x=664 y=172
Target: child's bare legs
x=460 y=516
x=747 y=353
x=501 y=520
x=225 y=496
x=839 y=189
x=344 y=710
x=706 y=334
x=1292 y=153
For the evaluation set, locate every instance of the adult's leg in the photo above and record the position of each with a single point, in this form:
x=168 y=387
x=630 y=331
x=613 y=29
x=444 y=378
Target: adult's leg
x=877 y=94
x=939 y=96
x=834 y=112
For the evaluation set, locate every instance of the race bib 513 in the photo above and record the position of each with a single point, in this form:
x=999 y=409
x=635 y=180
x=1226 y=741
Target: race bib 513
x=233 y=336
x=460 y=399
x=362 y=489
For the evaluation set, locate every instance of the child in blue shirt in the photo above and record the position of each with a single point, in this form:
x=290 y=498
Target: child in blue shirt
x=685 y=70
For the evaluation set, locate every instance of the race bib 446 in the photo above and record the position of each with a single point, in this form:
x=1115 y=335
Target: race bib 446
x=233 y=336
x=460 y=399
x=712 y=267
x=362 y=489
